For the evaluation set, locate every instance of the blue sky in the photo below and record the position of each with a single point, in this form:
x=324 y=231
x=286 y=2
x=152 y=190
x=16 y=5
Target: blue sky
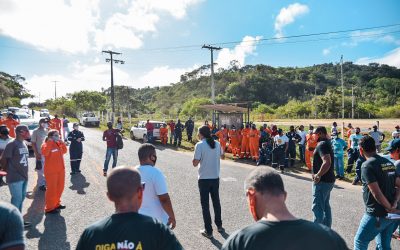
x=61 y=40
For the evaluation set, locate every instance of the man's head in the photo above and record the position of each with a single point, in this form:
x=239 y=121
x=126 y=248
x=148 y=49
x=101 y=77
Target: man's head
x=164 y=125
x=75 y=126
x=394 y=149
x=291 y=128
x=349 y=125
x=367 y=146
x=233 y=127
x=64 y=116
x=56 y=116
x=334 y=124
x=375 y=128
x=358 y=130
x=53 y=135
x=44 y=123
x=109 y=125
x=311 y=129
x=148 y=121
x=301 y=128
x=147 y=154
x=280 y=131
x=264 y=188
x=124 y=188
x=4 y=132
x=321 y=132
x=10 y=115
x=397 y=128
x=22 y=132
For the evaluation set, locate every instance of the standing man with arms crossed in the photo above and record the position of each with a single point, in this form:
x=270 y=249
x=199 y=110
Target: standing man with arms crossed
x=126 y=228
x=37 y=139
x=378 y=136
x=156 y=201
x=276 y=228
x=15 y=160
x=110 y=136
x=323 y=178
x=208 y=153
x=379 y=184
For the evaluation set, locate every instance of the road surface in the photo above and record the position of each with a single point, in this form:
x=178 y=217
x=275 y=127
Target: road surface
x=86 y=201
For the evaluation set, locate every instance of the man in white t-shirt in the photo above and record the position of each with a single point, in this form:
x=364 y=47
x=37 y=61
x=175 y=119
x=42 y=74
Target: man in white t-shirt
x=156 y=201
x=208 y=153
x=281 y=145
x=378 y=136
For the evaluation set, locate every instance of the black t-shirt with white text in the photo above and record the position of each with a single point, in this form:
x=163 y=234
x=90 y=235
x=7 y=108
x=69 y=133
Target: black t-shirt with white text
x=380 y=170
x=285 y=235
x=128 y=231
x=324 y=147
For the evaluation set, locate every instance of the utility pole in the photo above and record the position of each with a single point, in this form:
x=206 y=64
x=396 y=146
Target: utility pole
x=111 y=53
x=352 y=102
x=55 y=89
x=212 y=48
x=341 y=73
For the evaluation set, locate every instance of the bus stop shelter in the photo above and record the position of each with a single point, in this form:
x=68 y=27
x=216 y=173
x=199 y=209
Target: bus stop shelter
x=228 y=114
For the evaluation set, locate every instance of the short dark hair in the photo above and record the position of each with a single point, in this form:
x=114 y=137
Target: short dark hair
x=52 y=132
x=265 y=179
x=21 y=128
x=122 y=183
x=367 y=143
x=321 y=129
x=145 y=151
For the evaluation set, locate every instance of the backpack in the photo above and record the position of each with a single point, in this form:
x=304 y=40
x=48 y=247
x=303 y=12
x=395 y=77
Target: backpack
x=120 y=142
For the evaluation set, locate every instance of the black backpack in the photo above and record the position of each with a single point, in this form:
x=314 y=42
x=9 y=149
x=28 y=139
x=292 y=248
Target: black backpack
x=120 y=142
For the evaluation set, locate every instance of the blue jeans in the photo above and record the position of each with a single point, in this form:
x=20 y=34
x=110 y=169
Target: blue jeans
x=370 y=228
x=339 y=165
x=320 y=204
x=302 y=149
x=18 y=193
x=114 y=153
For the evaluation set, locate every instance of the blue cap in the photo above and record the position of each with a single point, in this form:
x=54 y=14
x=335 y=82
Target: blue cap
x=393 y=145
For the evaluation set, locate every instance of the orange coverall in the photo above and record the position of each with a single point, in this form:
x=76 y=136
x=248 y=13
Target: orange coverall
x=164 y=135
x=56 y=123
x=234 y=137
x=11 y=125
x=223 y=138
x=54 y=172
x=311 y=144
x=245 y=149
x=254 y=137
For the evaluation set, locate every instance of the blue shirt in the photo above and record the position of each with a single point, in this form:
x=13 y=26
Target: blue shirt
x=338 y=146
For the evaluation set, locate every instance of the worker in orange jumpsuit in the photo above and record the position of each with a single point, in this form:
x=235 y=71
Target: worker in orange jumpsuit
x=56 y=124
x=234 y=141
x=54 y=171
x=254 y=138
x=164 y=134
x=222 y=135
x=10 y=123
x=311 y=144
x=245 y=148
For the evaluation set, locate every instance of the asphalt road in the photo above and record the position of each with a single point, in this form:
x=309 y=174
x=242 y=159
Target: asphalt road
x=86 y=201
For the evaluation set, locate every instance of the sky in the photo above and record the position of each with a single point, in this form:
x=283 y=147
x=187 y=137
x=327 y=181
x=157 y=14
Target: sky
x=56 y=40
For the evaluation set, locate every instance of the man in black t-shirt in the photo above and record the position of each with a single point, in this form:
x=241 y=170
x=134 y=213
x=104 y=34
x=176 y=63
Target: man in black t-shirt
x=380 y=183
x=276 y=228
x=126 y=229
x=323 y=178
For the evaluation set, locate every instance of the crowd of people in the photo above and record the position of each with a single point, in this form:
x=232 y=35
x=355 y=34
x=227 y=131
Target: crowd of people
x=141 y=198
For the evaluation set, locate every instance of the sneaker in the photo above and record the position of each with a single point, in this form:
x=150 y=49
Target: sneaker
x=27 y=224
x=78 y=171
x=42 y=188
x=355 y=182
x=221 y=229
x=104 y=173
x=61 y=207
x=72 y=173
x=54 y=211
x=206 y=234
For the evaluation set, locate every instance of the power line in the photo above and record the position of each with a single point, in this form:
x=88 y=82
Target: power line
x=212 y=48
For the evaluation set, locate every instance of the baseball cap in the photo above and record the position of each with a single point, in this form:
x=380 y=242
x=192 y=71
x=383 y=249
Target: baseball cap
x=42 y=120
x=393 y=145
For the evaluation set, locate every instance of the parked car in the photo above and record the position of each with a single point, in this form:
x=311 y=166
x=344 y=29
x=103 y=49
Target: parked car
x=44 y=113
x=11 y=109
x=139 y=130
x=89 y=119
x=23 y=115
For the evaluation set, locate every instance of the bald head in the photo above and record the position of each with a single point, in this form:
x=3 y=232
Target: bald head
x=123 y=183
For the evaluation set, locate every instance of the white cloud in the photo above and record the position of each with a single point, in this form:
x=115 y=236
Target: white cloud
x=391 y=58
x=326 y=52
x=288 y=15
x=51 y=24
x=239 y=53
x=162 y=75
x=377 y=36
x=74 y=26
